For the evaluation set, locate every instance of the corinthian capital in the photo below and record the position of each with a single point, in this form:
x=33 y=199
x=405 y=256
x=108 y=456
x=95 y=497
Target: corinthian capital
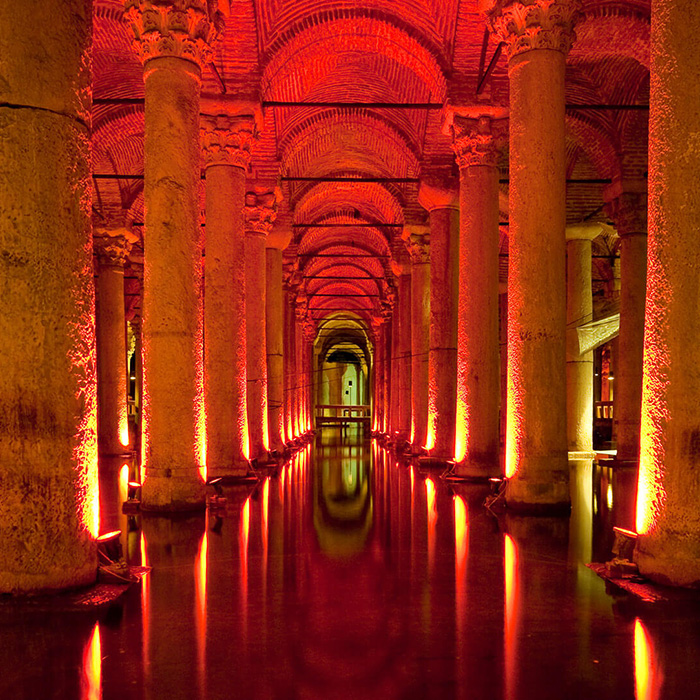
x=418 y=247
x=113 y=245
x=228 y=140
x=525 y=25
x=176 y=28
x=260 y=213
x=478 y=141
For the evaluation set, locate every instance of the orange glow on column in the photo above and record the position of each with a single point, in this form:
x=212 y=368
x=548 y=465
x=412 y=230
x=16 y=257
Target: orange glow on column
x=92 y=667
x=432 y=520
x=432 y=417
x=512 y=585
x=200 y=411
x=123 y=426
x=648 y=676
x=85 y=459
x=513 y=406
x=145 y=603
x=123 y=482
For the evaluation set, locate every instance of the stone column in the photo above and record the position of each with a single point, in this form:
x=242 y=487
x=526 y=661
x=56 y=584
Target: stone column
x=288 y=358
x=579 y=310
x=628 y=209
x=48 y=391
x=227 y=141
x=173 y=46
x=441 y=199
x=112 y=247
x=403 y=354
x=260 y=214
x=274 y=332
x=476 y=145
x=538 y=36
x=419 y=249
x=387 y=333
x=668 y=518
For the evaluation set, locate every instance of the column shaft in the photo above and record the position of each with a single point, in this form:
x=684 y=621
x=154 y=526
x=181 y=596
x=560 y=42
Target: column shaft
x=274 y=320
x=173 y=410
x=48 y=404
x=420 y=347
x=225 y=322
x=403 y=354
x=478 y=372
x=668 y=518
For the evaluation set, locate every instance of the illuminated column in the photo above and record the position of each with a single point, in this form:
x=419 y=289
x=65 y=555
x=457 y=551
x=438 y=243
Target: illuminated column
x=538 y=36
x=579 y=310
x=442 y=201
x=478 y=366
x=628 y=209
x=668 y=518
x=173 y=439
x=227 y=142
x=309 y=335
x=403 y=354
x=386 y=374
x=48 y=389
x=419 y=250
x=112 y=247
x=288 y=357
x=277 y=241
x=260 y=210
x=377 y=374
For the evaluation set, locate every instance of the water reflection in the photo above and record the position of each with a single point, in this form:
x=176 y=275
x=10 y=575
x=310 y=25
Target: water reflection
x=92 y=667
x=648 y=674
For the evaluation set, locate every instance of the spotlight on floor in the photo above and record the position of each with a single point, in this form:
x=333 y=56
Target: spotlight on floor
x=112 y=567
x=218 y=500
x=622 y=564
x=496 y=484
x=109 y=547
x=133 y=498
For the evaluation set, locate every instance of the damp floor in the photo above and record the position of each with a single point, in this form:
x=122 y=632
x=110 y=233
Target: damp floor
x=349 y=576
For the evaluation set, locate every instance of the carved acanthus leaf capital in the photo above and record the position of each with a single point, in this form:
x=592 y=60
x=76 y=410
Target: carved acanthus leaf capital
x=628 y=210
x=418 y=247
x=175 y=28
x=113 y=245
x=525 y=25
x=260 y=213
x=228 y=140
x=478 y=141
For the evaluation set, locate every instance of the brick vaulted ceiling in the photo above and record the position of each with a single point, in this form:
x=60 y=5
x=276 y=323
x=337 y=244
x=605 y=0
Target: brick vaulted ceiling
x=393 y=52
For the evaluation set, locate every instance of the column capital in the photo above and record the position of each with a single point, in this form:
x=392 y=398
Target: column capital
x=628 y=210
x=113 y=245
x=438 y=190
x=172 y=28
x=586 y=231
x=260 y=213
x=527 y=25
x=418 y=247
x=228 y=140
x=478 y=140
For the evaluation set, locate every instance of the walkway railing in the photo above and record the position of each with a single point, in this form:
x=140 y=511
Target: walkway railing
x=338 y=414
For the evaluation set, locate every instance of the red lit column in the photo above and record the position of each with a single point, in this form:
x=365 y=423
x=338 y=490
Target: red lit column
x=227 y=142
x=112 y=247
x=377 y=382
x=403 y=353
x=173 y=440
x=274 y=332
x=418 y=245
x=260 y=210
x=478 y=372
x=628 y=209
x=538 y=36
x=48 y=391
x=668 y=518
x=579 y=310
x=441 y=199
x=387 y=332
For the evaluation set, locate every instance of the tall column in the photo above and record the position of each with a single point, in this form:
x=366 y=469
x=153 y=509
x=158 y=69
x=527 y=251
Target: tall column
x=173 y=439
x=419 y=250
x=227 y=141
x=628 y=209
x=386 y=374
x=274 y=333
x=579 y=310
x=48 y=403
x=112 y=247
x=538 y=36
x=441 y=199
x=260 y=214
x=403 y=354
x=668 y=518
x=478 y=366
x=288 y=358
x=377 y=374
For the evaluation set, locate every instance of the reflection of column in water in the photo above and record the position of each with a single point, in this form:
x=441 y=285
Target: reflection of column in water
x=461 y=549
x=511 y=613
x=648 y=674
x=431 y=514
x=92 y=667
x=200 y=576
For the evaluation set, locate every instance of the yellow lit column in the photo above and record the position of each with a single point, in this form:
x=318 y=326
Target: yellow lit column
x=441 y=199
x=476 y=143
x=48 y=391
x=668 y=518
x=227 y=141
x=173 y=427
x=260 y=209
x=112 y=247
x=538 y=36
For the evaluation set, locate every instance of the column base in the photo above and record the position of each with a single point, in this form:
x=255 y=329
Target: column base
x=59 y=579
x=668 y=560
x=547 y=495
x=170 y=494
x=576 y=455
x=225 y=471
x=473 y=470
